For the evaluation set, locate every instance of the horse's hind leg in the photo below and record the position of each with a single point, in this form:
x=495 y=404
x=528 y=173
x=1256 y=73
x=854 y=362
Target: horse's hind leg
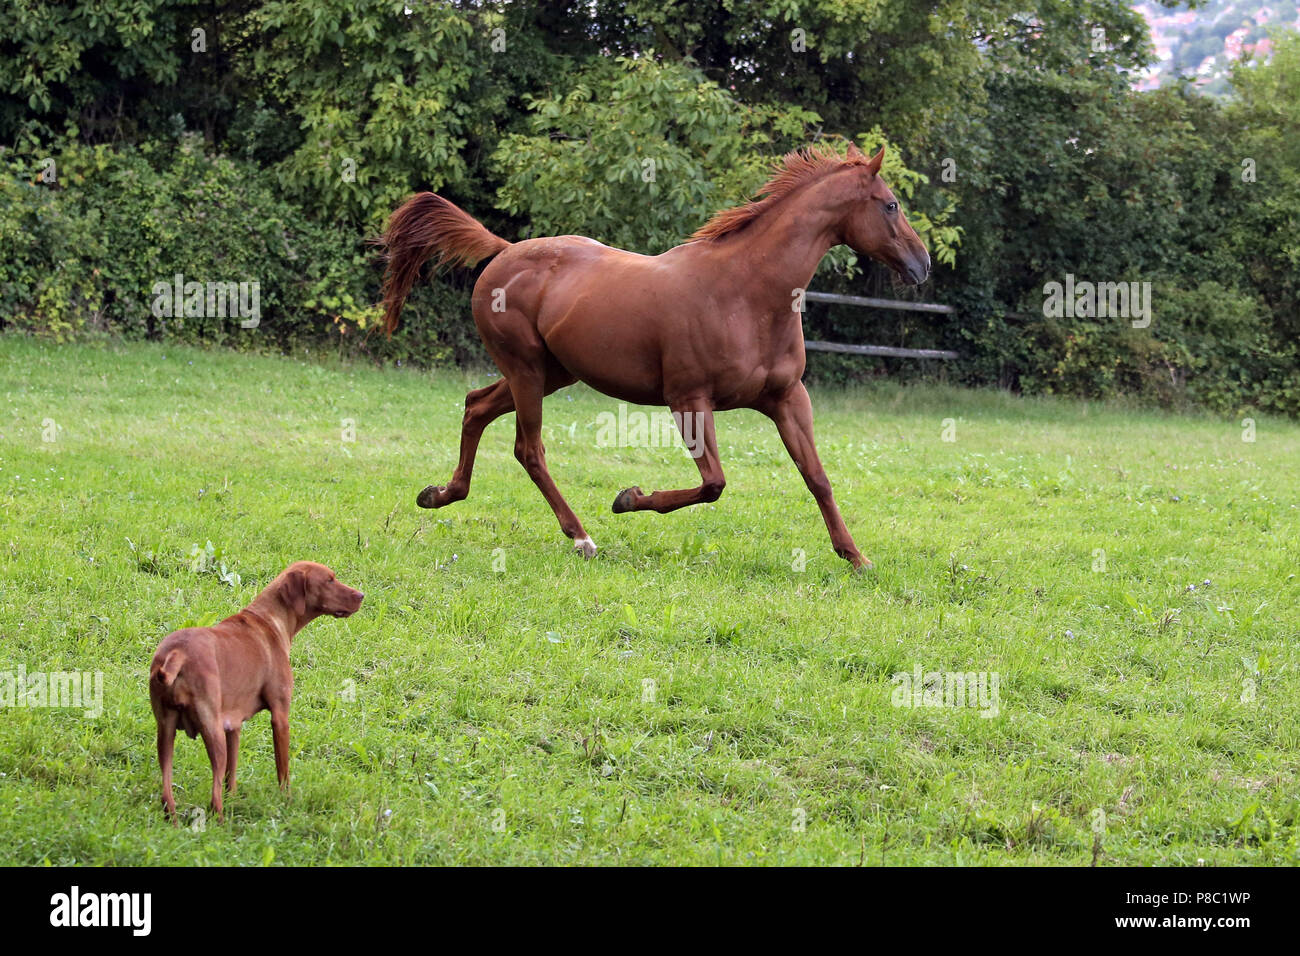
x=482 y=407
x=695 y=422
x=529 y=385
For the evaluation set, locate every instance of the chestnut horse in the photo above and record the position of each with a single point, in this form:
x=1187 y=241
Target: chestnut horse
x=710 y=325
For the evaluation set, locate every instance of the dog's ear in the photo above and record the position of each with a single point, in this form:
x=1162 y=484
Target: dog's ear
x=294 y=592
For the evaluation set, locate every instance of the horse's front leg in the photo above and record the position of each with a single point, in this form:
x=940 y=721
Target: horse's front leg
x=695 y=422
x=792 y=413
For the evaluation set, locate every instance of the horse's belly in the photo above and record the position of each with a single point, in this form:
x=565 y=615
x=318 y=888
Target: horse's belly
x=623 y=376
x=631 y=392
x=610 y=353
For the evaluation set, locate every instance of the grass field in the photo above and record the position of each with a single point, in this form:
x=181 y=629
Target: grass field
x=689 y=696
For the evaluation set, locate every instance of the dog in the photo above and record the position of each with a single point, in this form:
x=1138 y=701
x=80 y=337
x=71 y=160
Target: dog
x=209 y=680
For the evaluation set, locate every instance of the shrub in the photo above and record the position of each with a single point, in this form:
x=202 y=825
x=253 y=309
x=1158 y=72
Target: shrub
x=82 y=255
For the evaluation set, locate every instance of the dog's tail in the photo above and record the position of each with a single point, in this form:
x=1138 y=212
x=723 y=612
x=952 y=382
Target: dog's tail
x=420 y=228
x=165 y=673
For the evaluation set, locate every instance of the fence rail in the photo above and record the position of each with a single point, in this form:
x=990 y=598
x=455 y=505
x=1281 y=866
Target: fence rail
x=886 y=350
x=815 y=346
x=878 y=303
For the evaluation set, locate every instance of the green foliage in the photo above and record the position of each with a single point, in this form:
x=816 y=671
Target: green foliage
x=1205 y=345
x=1216 y=341
x=94 y=65
x=904 y=65
x=47 y=248
x=82 y=255
x=636 y=150
x=1263 y=232
x=639 y=153
x=117 y=222
x=1091 y=179
x=377 y=93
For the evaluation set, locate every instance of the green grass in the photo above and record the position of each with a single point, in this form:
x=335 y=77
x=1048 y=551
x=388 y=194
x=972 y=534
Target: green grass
x=475 y=715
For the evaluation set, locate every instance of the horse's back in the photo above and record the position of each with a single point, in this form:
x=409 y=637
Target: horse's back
x=548 y=276
x=556 y=252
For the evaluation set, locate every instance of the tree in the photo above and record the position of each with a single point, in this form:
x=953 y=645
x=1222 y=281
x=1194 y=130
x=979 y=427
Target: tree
x=638 y=153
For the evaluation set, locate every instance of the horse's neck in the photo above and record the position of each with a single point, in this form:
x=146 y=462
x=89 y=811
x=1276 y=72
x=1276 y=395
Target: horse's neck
x=786 y=244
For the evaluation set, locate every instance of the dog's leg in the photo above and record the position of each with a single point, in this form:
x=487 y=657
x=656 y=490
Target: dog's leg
x=214 y=739
x=232 y=758
x=166 y=746
x=280 y=737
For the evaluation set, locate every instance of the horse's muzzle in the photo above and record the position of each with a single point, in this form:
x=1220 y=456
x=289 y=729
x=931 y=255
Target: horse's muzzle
x=916 y=270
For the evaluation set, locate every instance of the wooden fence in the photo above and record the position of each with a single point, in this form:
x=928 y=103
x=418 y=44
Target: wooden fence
x=887 y=350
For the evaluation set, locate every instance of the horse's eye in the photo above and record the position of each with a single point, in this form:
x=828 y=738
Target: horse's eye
x=891 y=207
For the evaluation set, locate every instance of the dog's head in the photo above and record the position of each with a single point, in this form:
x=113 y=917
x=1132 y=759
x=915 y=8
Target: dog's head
x=310 y=589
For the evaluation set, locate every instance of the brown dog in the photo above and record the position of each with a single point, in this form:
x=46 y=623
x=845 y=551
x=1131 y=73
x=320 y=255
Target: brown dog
x=209 y=680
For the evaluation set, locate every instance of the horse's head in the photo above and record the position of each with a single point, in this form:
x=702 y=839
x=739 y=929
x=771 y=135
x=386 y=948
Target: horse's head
x=876 y=227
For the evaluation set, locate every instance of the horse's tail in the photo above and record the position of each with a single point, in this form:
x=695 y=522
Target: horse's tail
x=420 y=228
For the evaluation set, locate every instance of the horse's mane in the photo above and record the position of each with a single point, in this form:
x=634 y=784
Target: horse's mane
x=794 y=170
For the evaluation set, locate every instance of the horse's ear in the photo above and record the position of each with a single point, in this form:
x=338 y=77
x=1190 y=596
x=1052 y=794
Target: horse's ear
x=854 y=152
x=873 y=164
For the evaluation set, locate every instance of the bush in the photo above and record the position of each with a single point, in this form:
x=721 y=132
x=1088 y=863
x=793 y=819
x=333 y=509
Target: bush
x=1217 y=341
x=82 y=255
x=45 y=245
x=1207 y=345
x=114 y=223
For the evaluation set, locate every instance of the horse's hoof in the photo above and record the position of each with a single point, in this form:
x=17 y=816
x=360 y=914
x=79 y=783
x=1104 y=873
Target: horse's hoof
x=864 y=567
x=428 y=498
x=585 y=547
x=626 y=500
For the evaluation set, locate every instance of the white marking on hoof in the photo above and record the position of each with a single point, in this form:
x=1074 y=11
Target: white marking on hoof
x=586 y=546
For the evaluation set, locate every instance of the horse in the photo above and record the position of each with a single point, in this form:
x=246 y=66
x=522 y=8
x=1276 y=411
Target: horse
x=710 y=325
